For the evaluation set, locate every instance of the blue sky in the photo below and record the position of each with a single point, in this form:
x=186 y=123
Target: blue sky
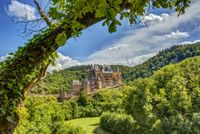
x=130 y=45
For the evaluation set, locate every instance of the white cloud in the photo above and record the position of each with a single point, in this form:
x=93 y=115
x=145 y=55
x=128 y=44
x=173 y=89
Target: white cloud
x=172 y=35
x=190 y=42
x=3 y=58
x=21 y=11
x=63 y=62
x=177 y=35
x=139 y=45
x=152 y=19
x=136 y=60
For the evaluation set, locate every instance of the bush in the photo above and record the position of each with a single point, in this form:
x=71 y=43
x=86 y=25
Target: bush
x=117 y=123
x=181 y=124
x=66 y=128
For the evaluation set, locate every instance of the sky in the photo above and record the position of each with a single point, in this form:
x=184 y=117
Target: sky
x=130 y=45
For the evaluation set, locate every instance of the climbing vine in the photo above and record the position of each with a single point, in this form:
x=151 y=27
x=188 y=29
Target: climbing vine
x=68 y=17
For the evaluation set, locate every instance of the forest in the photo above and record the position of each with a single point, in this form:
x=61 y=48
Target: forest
x=166 y=102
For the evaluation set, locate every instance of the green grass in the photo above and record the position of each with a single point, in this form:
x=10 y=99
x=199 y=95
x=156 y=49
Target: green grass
x=88 y=124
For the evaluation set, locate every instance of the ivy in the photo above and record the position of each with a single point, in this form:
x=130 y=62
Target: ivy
x=61 y=39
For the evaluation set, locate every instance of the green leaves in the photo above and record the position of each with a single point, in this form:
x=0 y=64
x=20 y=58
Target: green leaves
x=73 y=10
x=10 y=119
x=117 y=123
x=113 y=26
x=179 y=5
x=3 y=91
x=162 y=96
x=61 y=39
x=101 y=10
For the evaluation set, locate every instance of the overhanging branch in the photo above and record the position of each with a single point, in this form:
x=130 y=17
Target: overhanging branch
x=42 y=14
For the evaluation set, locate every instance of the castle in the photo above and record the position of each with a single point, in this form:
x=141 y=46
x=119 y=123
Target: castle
x=99 y=77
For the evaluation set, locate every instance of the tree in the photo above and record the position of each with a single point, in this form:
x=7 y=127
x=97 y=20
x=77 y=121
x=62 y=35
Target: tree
x=168 y=101
x=65 y=19
x=82 y=100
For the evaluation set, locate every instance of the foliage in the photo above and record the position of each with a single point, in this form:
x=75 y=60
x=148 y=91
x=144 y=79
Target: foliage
x=117 y=123
x=165 y=97
x=17 y=76
x=62 y=10
x=65 y=128
x=61 y=39
x=155 y=104
x=83 y=99
x=105 y=101
x=182 y=124
x=60 y=80
x=47 y=115
x=44 y=115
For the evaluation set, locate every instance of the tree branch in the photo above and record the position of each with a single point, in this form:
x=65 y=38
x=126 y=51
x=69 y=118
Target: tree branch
x=41 y=76
x=42 y=14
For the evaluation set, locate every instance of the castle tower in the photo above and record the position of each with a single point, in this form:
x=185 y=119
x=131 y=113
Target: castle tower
x=86 y=86
x=62 y=95
x=99 y=83
x=117 y=77
x=107 y=76
x=76 y=87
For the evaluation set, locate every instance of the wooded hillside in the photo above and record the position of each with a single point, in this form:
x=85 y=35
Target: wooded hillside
x=61 y=80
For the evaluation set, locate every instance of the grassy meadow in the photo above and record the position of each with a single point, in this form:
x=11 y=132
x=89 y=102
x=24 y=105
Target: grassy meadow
x=90 y=125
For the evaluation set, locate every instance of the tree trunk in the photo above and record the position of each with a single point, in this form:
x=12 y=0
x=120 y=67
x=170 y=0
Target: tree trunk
x=7 y=127
x=11 y=99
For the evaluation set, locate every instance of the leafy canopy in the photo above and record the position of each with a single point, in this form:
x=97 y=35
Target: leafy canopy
x=69 y=11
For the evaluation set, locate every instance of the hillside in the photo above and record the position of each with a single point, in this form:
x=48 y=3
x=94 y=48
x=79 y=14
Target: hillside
x=61 y=80
x=167 y=102
x=156 y=103
x=168 y=56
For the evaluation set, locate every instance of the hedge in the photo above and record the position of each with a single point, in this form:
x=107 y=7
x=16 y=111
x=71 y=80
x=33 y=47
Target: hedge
x=117 y=123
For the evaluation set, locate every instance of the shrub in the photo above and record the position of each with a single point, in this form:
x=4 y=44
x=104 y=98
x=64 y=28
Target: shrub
x=66 y=128
x=181 y=124
x=117 y=123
